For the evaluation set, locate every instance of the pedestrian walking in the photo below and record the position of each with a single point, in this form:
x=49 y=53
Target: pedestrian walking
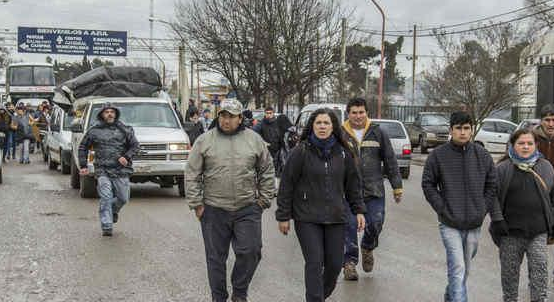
x=206 y=119
x=286 y=131
x=24 y=132
x=545 y=133
x=525 y=182
x=270 y=132
x=376 y=159
x=196 y=130
x=318 y=175
x=459 y=182
x=114 y=146
x=11 y=138
x=229 y=182
x=5 y=123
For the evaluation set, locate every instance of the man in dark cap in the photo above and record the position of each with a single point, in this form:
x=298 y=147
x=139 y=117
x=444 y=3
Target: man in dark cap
x=114 y=146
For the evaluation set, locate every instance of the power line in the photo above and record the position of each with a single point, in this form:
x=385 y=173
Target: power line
x=458 y=31
x=437 y=27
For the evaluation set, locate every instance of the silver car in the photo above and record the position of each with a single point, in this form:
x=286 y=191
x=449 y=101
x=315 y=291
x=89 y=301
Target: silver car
x=58 y=141
x=400 y=143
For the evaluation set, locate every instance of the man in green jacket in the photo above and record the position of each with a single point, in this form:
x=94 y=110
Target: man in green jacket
x=230 y=181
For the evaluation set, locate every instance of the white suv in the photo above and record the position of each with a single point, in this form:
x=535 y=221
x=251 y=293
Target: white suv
x=58 y=141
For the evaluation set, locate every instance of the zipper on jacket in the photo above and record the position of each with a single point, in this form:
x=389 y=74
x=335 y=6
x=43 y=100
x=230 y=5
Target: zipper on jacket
x=464 y=175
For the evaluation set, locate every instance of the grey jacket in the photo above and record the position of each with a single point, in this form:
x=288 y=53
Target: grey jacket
x=460 y=184
x=109 y=142
x=229 y=171
x=543 y=168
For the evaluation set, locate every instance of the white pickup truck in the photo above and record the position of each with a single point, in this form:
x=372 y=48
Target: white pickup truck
x=164 y=145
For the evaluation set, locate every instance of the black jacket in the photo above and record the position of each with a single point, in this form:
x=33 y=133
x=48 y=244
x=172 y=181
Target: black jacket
x=313 y=189
x=460 y=184
x=109 y=142
x=194 y=132
x=543 y=168
x=5 y=122
x=271 y=133
x=374 y=149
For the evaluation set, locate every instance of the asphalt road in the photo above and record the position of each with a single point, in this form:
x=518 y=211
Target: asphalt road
x=51 y=249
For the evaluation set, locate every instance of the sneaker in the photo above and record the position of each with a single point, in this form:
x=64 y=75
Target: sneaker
x=107 y=232
x=367 y=260
x=350 y=272
x=237 y=299
x=115 y=217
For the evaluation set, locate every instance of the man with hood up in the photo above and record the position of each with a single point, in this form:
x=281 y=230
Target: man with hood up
x=114 y=146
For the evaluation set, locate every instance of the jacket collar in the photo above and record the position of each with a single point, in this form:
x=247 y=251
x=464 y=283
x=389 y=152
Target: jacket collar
x=459 y=148
x=348 y=128
x=540 y=132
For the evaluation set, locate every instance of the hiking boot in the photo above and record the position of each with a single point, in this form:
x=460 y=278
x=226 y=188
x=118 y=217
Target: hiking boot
x=350 y=272
x=367 y=260
x=237 y=299
x=107 y=232
x=115 y=217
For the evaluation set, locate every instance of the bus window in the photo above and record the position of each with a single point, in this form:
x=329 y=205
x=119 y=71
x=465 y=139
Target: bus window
x=21 y=76
x=44 y=76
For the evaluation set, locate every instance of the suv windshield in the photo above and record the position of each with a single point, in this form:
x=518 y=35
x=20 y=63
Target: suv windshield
x=394 y=130
x=433 y=120
x=157 y=115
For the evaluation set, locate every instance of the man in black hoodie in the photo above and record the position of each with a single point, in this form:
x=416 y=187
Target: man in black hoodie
x=459 y=182
x=271 y=133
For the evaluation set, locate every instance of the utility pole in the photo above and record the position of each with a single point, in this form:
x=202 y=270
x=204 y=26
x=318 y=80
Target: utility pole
x=317 y=65
x=342 y=88
x=191 y=75
x=151 y=31
x=414 y=59
x=183 y=81
x=198 y=99
x=367 y=80
x=381 y=76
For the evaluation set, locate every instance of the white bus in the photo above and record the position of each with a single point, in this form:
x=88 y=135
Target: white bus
x=30 y=80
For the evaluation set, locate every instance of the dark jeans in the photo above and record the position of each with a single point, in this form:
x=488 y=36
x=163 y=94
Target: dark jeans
x=322 y=247
x=243 y=230
x=374 y=219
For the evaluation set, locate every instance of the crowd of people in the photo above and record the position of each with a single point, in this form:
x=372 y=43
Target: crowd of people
x=23 y=125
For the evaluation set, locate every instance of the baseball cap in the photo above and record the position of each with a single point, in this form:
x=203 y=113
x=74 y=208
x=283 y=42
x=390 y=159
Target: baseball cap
x=234 y=107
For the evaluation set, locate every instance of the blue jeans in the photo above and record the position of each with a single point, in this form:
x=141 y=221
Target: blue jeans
x=10 y=144
x=461 y=248
x=25 y=151
x=374 y=219
x=114 y=193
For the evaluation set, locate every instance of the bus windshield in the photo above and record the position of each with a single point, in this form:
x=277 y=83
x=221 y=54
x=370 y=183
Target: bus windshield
x=31 y=76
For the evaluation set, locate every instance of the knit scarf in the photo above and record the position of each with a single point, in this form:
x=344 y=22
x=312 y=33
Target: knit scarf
x=524 y=164
x=325 y=145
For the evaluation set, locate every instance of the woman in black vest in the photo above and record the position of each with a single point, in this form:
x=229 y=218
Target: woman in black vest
x=318 y=175
x=525 y=182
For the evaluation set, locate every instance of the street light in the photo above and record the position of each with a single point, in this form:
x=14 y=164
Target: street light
x=183 y=91
x=380 y=100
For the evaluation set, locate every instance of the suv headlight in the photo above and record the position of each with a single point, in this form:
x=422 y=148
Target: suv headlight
x=178 y=147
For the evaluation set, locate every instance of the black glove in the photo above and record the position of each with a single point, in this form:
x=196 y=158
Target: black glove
x=500 y=228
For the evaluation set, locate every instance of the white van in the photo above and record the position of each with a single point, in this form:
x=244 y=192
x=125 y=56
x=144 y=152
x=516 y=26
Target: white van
x=58 y=141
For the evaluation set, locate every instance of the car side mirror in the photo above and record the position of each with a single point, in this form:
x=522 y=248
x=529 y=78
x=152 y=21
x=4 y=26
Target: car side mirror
x=77 y=126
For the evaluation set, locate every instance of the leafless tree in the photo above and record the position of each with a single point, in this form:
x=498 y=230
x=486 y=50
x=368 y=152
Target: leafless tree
x=543 y=14
x=280 y=46
x=480 y=73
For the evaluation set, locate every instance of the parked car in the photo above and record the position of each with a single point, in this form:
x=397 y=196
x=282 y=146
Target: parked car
x=529 y=123
x=495 y=134
x=429 y=130
x=400 y=143
x=302 y=119
x=58 y=141
x=164 y=145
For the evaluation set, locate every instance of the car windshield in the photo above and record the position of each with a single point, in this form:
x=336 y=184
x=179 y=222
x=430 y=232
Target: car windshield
x=157 y=115
x=67 y=120
x=433 y=120
x=31 y=76
x=394 y=130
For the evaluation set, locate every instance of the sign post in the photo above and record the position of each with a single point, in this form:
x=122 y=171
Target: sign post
x=71 y=41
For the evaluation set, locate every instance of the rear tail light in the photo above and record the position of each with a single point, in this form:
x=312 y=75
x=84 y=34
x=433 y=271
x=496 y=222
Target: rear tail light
x=406 y=150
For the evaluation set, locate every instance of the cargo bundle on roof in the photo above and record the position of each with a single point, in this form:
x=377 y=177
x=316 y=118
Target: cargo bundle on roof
x=109 y=82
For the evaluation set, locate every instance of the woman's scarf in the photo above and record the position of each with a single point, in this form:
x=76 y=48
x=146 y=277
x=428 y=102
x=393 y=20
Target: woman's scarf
x=525 y=164
x=325 y=145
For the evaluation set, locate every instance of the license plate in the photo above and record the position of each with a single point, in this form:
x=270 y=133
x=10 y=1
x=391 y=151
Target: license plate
x=143 y=169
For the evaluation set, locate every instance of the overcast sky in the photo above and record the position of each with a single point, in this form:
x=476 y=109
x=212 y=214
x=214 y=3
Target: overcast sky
x=132 y=16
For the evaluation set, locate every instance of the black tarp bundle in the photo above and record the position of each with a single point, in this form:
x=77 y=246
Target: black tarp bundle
x=109 y=82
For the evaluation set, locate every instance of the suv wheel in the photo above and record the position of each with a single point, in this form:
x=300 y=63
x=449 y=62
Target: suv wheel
x=74 y=179
x=87 y=187
x=181 y=185
x=66 y=168
x=51 y=164
x=405 y=172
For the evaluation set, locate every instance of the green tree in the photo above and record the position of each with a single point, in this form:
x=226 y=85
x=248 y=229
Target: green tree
x=358 y=57
x=393 y=79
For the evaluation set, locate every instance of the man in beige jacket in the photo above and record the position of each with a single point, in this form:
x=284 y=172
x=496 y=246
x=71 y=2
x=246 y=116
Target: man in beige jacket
x=230 y=181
